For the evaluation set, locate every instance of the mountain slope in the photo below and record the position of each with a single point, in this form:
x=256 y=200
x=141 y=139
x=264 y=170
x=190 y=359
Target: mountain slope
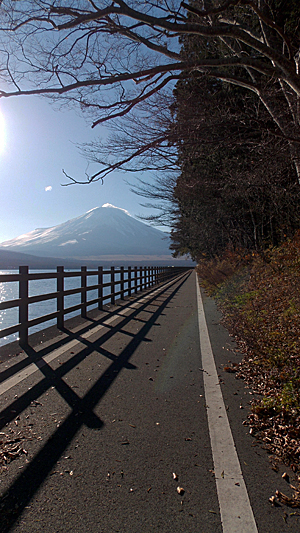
x=102 y=231
x=12 y=260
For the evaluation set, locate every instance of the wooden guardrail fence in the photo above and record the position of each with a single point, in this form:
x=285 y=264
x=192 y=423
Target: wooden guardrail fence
x=127 y=281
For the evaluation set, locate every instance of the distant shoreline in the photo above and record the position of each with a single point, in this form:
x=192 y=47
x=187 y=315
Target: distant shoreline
x=12 y=260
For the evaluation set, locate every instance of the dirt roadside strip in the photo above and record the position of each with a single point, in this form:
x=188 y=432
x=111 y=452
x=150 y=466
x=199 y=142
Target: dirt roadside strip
x=112 y=418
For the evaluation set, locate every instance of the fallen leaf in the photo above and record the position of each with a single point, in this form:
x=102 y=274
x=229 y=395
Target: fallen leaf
x=294 y=501
x=229 y=369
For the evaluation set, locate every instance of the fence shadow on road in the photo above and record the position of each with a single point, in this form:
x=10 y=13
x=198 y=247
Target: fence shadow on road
x=20 y=493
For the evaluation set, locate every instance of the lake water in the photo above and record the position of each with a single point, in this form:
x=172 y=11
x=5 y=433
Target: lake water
x=10 y=291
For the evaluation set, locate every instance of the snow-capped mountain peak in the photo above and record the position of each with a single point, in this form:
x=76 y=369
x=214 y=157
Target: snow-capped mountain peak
x=114 y=207
x=101 y=231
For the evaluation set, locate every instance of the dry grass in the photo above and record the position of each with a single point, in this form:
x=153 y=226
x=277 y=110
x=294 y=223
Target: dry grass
x=260 y=300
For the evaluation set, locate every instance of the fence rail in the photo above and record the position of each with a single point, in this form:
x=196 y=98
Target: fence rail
x=130 y=280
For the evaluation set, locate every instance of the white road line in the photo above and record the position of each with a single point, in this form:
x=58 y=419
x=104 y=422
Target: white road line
x=34 y=367
x=236 y=512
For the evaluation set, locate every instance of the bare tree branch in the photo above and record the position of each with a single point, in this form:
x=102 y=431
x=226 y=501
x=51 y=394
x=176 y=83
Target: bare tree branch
x=113 y=58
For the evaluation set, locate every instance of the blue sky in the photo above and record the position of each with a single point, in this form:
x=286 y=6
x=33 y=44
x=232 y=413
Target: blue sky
x=38 y=143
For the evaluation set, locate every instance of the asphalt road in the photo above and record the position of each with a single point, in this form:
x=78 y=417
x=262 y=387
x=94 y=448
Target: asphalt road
x=109 y=409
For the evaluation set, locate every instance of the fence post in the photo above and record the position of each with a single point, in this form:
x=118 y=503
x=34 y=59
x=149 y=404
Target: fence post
x=129 y=281
x=60 y=296
x=112 y=286
x=100 y=288
x=122 y=282
x=148 y=277
x=23 y=308
x=83 y=292
x=144 y=278
x=135 y=280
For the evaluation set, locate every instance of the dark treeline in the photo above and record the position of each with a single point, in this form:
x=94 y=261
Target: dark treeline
x=238 y=185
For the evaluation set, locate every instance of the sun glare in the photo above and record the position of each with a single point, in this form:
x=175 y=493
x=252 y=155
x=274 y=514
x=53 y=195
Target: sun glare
x=2 y=132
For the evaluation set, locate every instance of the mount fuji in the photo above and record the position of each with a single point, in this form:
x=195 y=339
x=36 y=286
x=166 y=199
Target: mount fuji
x=106 y=232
